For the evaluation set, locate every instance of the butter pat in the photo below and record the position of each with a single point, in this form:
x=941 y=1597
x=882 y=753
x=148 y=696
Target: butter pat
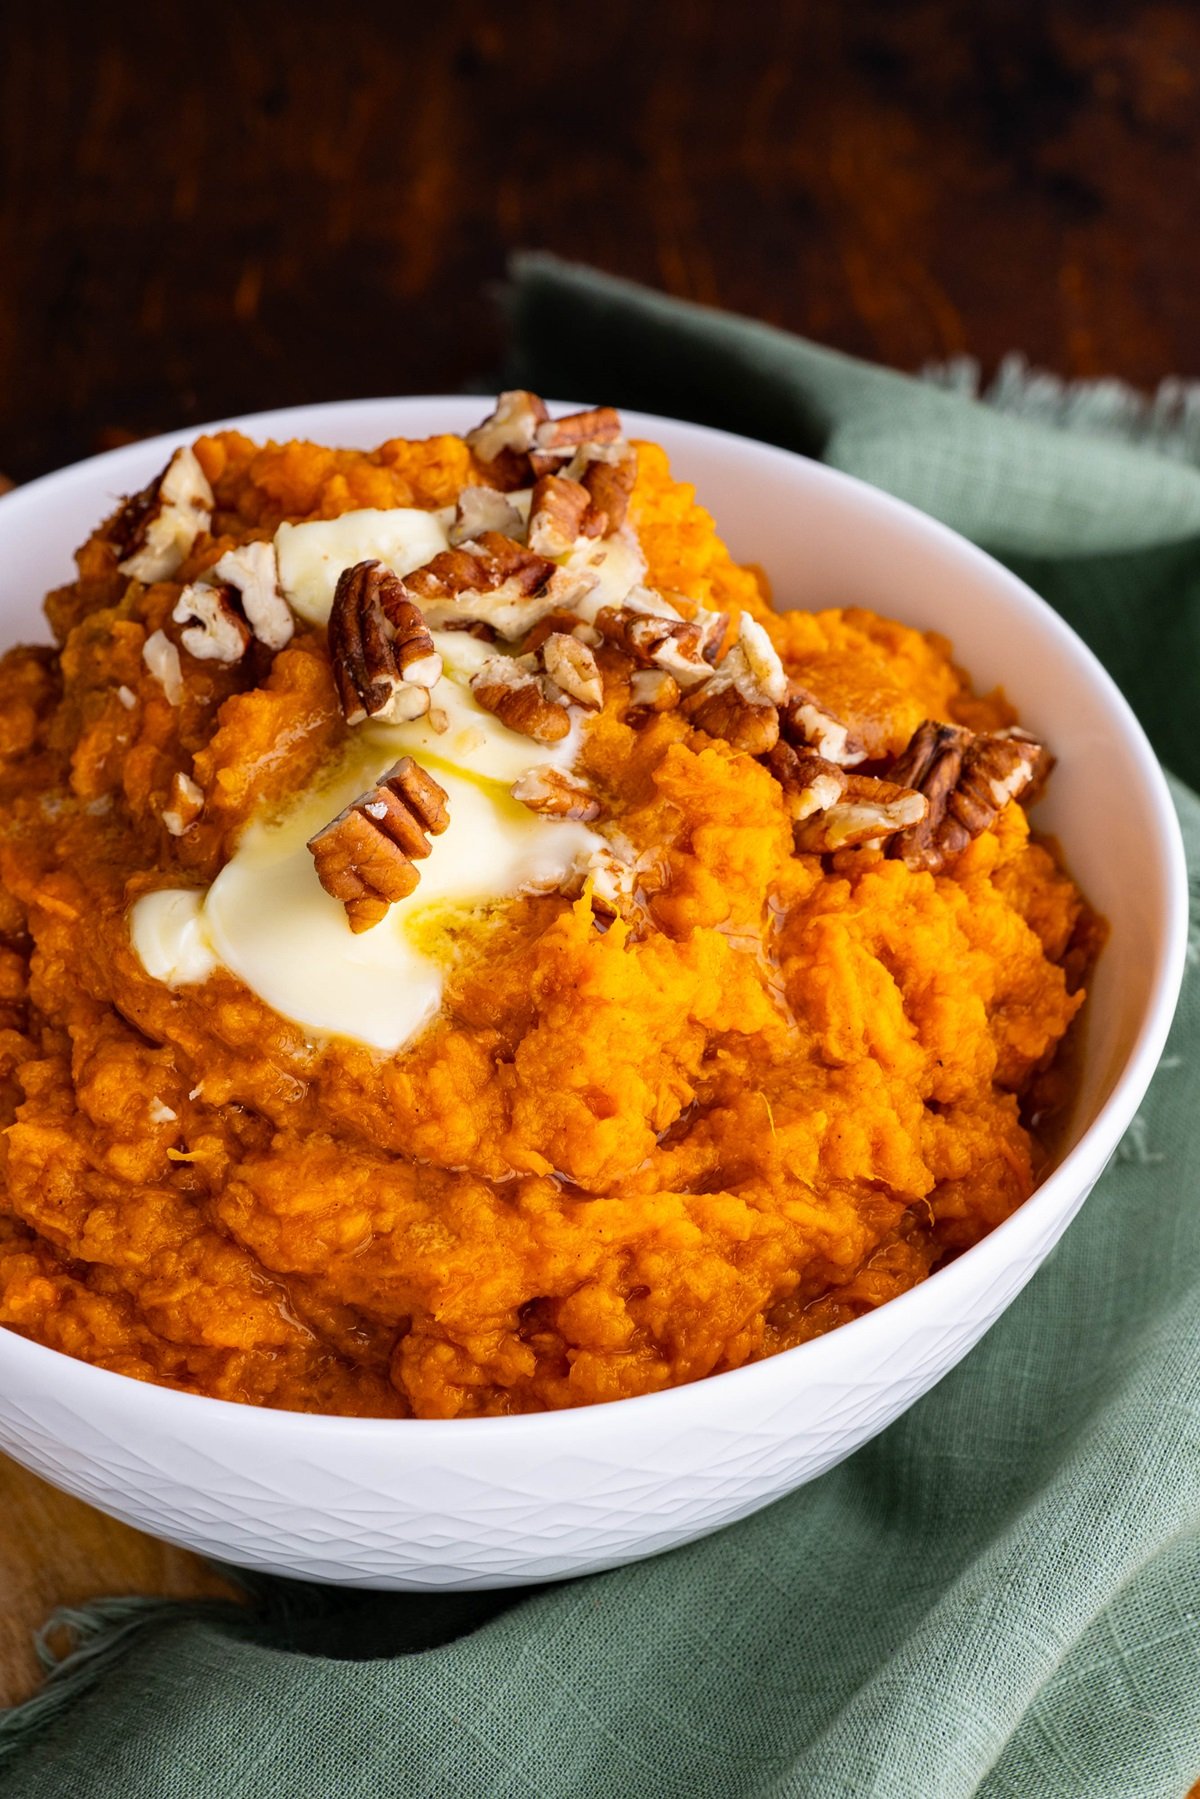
x=312 y=556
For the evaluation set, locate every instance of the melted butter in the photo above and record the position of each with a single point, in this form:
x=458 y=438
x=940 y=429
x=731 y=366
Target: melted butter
x=268 y=920
x=312 y=556
x=618 y=565
x=171 y=938
x=471 y=739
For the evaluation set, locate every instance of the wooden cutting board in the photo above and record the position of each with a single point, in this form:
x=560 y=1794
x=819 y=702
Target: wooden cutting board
x=55 y=1551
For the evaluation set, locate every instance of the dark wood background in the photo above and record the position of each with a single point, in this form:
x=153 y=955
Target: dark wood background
x=208 y=209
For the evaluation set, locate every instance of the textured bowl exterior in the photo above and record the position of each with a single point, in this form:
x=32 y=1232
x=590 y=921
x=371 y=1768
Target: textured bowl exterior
x=494 y=1502
x=502 y=1502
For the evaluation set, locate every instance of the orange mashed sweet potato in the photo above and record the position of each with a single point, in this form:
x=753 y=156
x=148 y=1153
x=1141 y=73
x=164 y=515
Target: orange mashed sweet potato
x=621 y=1157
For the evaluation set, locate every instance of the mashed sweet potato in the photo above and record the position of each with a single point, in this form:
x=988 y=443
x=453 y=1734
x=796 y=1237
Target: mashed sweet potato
x=621 y=1157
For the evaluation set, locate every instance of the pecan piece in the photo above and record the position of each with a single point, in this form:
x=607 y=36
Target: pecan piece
x=184 y=805
x=384 y=662
x=810 y=782
x=740 y=701
x=236 y=599
x=572 y=666
x=511 y=425
x=722 y=711
x=1043 y=763
x=495 y=582
x=933 y=758
x=214 y=630
x=804 y=721
x=253 y=572
x=504 y=439
x=364 y=857
x=521 y=698
x=968 y=782
x=568 y=624
x=653 y=640
x=868 y=811
x=560 y=513
x=158 y=527
x=555 y=441
x=932 y=763
x=553 y=793
x=481 y=509
x=162 y=659
x=610 y=482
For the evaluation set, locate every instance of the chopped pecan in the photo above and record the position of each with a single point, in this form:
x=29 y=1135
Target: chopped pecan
x=497 y=582
x=653 y=640
x=832 y=809
x=610 y=482
x=158 y=527
x=761 y=659
x=521 y=698
x=162 y=659
x=511 y=425
x=555 y=441
x=810 y=783
x=555 y=794
x=967 y=780
x=804 y=721
x=184 y=805
x=384 y=662
x=488 y=562
x=653 y=690
x=518 y=440
x=253 y=572
x=412 y=645
x=572 y=666
x=741 y=698
x=998 y=767
x=566 y=623
x=364 y=857
x=214 y=630
x=1043 y=763
x=481 y=509
x=932 y=764
x=868 y=811
x=126 y=529
x=722 y=711
x=933 y=758
x=560 y=513
x=237 y=598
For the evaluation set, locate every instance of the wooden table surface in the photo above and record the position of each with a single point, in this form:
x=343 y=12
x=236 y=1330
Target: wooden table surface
x=282 y=207
x=283 y=203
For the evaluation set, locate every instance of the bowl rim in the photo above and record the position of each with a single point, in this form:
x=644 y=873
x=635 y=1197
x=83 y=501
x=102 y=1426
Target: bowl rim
x=1073 y=1175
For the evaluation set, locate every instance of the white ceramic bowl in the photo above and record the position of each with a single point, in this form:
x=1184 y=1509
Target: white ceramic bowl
x=498 y=1502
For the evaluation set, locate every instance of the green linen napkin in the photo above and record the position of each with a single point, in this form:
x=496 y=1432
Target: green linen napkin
x=1000 y=1595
